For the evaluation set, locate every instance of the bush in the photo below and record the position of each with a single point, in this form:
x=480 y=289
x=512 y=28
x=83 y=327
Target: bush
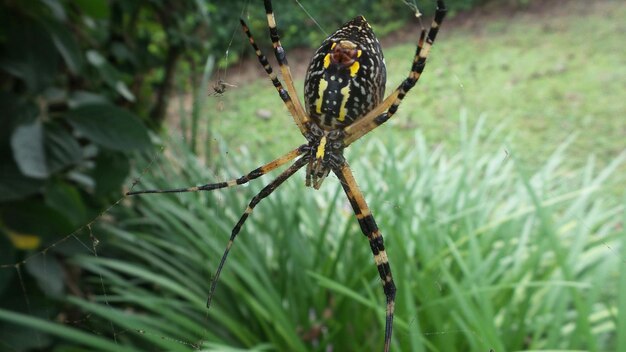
x=80 y=80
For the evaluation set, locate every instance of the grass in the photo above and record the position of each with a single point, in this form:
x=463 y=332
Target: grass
x=547 y=76
x=486 y=255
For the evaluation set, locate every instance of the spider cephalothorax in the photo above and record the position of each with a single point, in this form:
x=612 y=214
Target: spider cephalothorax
x=343 y=92
x=324 y=153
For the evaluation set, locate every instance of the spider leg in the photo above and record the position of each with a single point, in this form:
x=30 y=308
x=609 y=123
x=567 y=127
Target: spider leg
x=284 y=94
x=281 y=57
x=371 y=231
x=389 y=106
x=256 y=173
x=266 y=191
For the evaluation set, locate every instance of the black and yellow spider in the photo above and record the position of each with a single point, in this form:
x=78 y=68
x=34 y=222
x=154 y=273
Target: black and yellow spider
x=343 y=93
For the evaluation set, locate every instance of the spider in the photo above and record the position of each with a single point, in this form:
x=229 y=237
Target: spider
x=343 y=100
x=219 y=88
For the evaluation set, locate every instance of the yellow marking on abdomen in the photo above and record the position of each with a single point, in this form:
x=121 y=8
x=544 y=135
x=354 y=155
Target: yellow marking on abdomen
x=321 y=148
x=345 y=92
x=320 y=93
x=326 y=60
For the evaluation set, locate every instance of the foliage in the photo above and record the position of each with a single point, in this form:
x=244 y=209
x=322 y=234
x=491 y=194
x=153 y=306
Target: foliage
x=77 y=78
x=484 y=255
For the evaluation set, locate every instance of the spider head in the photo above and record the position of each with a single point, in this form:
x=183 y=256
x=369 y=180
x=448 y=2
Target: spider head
x=344 y=53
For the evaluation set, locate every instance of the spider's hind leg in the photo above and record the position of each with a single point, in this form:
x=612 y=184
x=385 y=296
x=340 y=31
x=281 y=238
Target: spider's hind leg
x=371 y=231
x=266 y=191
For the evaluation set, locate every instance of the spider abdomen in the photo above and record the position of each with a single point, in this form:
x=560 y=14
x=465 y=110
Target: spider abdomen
x=346 y=77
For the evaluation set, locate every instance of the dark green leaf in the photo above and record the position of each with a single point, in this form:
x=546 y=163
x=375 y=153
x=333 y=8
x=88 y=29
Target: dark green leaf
x=14 y=111
x=123 y=54
x=29 y=53
x=27 y=144
x=66 y=200
x=110 y=172
x=20 y=338
x=66 y=45
x=109 y=74
x=62 y=149
x=47 y=272
x=8 y=255
x=13 y=184
x=94 y=8
x=56 y=7
x=33 y=217
x=110 y=127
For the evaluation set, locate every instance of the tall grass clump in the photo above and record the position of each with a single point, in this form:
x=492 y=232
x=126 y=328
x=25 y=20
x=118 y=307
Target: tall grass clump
x=485 y=253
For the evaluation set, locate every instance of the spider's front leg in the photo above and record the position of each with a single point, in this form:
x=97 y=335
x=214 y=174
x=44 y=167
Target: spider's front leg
x=371 y=231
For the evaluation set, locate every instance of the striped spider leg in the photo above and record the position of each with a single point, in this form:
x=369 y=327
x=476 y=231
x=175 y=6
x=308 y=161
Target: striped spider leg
x=343 y=94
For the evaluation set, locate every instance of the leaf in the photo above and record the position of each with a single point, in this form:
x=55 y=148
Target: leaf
x=109 y=127
x=47 y=272
x=62 y=149
x=66 y=45
x=66 y=200
x=62 y=331
x=29 y=53
x=33 y=217
x=110 y=172
x=27 y=144
x=20 y=338
x=98 y=9
x=24 y=241
x=9 y=256
x=13 y=184
x=80 y=98
x=14 y=111
x=56 y=8
x=109 y=74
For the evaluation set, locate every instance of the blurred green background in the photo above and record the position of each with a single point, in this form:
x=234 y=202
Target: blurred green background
x=499 y=185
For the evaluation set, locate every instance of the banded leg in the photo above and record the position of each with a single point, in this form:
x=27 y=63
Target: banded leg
x=371 y=231
x=389 y=106
x=281 y=57
x=284 y=94
x=256 y=173
x=266 y=191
